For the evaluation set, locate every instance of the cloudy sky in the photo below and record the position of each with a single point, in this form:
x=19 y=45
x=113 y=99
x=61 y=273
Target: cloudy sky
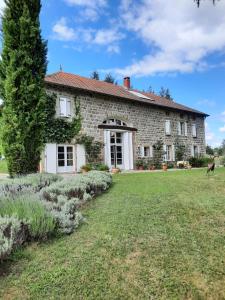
x=169 y=43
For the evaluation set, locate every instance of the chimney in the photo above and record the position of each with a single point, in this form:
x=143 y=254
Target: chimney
x=126 y=82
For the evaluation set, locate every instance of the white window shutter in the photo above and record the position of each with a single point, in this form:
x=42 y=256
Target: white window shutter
x=68 y=108
x=199 y=151
x=185 y=129
x=168 y=127
x=164 y=155
x=142 y=151
x=173 y=153
x=194 y=130
x=62 y=103
x=179 y=128
x=192 y=151
x=151 y=151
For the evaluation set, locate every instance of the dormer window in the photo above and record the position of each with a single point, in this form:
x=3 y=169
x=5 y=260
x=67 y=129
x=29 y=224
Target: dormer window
x=65 y=107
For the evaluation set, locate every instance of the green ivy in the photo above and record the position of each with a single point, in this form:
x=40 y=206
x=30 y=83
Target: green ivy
x=59 y=130
x=93 y=148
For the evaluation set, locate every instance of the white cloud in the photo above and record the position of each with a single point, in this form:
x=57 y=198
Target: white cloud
x=179 y=35
x=212 y=139
x=91 y=8
x=107 y=36
x=62 y=32
x=88 y=3
x=222 y=129
x=113 y=49
x=102 y=37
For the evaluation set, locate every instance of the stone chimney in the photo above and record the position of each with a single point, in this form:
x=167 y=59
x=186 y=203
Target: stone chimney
x=126 y=82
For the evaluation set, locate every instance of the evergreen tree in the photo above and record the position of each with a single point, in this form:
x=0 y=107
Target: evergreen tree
x=150 y=90
x=110 y=79
x=95 y=75
x=165 y=93
x=22 y=72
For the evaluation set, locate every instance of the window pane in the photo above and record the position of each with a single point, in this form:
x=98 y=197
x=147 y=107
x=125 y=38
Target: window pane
x=61 y=163
x=69 y=149
x=69 y=163
x=70 y=156
x=61 y=156
x=61 y=149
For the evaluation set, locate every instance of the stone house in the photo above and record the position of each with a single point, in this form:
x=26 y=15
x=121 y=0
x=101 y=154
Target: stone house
x=127 y=121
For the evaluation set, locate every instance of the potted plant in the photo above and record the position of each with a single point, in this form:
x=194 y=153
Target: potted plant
x=85 y=169
x=140 y=164
x=165 y=167
x=115 y=170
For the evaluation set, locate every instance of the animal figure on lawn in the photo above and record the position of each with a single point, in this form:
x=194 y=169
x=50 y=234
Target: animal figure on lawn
x=211 y=167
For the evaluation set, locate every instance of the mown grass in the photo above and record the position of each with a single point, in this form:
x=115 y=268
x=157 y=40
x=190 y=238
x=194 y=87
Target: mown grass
x=152 y=236
x=3 y=166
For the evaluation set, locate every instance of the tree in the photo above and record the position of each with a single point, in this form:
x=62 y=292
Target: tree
x=95 y=75
x=209 y=150
x=22 y=72
x=150 y=90
x=110 y=79
x=165 y=93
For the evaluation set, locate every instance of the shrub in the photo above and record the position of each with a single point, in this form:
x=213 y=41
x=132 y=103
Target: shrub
x=75 y=187
x=200 y=162
x=100 y=167
x=86 y=168
x=31 y=183
x=29 y=209
x=13 y=233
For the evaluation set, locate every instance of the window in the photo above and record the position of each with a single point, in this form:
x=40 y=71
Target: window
x=65 y=107
x=194 y=130
x=145 y=151
x=182 y=128
x=168 y=127
x=168 y=155
x=195 y=151
x=114 y=122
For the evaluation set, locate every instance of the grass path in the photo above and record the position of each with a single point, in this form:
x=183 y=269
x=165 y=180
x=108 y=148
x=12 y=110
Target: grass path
x=152 y=236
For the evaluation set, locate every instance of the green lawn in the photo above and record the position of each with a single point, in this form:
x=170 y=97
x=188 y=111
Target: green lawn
x=152 y=236
x=3 y=166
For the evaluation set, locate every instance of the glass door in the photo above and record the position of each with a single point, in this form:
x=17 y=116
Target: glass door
x=65 y=159
x=116 y=147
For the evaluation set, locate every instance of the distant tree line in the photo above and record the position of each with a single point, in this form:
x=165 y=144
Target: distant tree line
x=219 y=151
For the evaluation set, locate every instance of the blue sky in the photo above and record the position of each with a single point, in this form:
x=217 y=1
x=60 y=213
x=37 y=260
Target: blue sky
x=156 y=42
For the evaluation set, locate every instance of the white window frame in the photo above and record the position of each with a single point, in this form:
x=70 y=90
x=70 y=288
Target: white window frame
x=141 y=151
x=65 y=107
x=182 y=128
x=168 y=127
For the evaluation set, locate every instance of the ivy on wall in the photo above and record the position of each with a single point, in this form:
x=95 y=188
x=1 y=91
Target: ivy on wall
x=93 y=148
x=60 y=130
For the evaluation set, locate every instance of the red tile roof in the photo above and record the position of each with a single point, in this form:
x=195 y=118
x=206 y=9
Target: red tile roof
x=101 y=87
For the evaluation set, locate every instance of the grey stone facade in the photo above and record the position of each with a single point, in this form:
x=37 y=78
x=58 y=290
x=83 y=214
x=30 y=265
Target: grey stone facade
x=149 y=120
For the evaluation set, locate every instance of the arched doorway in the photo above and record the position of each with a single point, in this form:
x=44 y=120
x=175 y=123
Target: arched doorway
x=118 y=143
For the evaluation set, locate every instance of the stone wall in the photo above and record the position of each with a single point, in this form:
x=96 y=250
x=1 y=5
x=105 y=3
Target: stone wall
x=149 y=120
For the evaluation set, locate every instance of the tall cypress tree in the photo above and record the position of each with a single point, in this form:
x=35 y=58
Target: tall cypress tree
x=22 y=72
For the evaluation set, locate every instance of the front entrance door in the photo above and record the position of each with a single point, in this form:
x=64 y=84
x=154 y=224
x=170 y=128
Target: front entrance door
x=116 y=149
x=65 y=156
